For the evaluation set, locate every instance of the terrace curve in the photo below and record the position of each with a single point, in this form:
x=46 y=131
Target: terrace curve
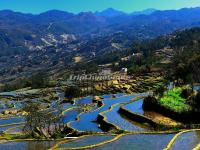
x=87 y=121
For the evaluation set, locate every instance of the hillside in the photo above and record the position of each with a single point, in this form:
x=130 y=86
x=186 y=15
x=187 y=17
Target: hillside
x=51 y=40
x=20 y=31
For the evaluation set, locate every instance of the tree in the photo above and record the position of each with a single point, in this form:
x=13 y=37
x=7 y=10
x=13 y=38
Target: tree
x=195 y=100
x=39 y=80
x=72 y=92
x=39 y=119
x=180 y=71
x=194 y=66
x=34 y=118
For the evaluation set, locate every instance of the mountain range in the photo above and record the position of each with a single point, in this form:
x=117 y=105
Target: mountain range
x=22 y=32
x=55 y=37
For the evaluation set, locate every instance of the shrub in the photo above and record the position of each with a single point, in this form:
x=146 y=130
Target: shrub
x=174 y=101
x=39 y=80
x=72 y=92
x=195 y=101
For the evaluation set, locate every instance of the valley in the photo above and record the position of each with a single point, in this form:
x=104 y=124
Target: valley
x=100 y=80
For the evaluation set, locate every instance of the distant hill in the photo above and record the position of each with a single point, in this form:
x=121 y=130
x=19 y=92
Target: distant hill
x=110 y=12
x=23 y=32
x=144 y=12
x=53 y=38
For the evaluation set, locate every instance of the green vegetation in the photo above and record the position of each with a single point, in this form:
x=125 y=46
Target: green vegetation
x=195 y=102
x=174 y=101
x=72 y=92
x=39 y=80
x=36 y=81
x=38 y=120
x=17 y=84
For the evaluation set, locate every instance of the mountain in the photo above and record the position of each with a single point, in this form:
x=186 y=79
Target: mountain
x=159 y=22
x=26 y=32
x=144 y=12
x=53 y=16
x=52 y=39
x=110 y=12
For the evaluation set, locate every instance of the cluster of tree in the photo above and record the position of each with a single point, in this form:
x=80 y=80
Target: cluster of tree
x=39 y=80
x=105 y=58
x=88 y=67
x=188 y=71
x=41 y=122
x=72 y=92
x=196 y=102
x=113 y=56
x=193 y=98
x=185 y=62
x=80 y=90
x=17 y=84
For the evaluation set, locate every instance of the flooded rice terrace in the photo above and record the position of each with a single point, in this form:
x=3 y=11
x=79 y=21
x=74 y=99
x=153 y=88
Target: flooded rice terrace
x=99 y=124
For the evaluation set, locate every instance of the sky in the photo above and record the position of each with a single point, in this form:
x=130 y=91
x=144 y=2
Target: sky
x=76 y=6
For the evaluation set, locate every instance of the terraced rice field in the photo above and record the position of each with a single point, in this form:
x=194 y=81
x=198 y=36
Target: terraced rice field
x=139 y=142
x=11 y=120
x=2 y=129
x=27 y=145
x=86 y=121
x=71 y=115
x=187 y=141
x=135 y=107
x=86 y=141
x=83 y=121
x=113 y=117
x=15 y=130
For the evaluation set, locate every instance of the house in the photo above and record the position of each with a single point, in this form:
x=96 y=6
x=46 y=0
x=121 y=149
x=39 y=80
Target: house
x=106 y=71
x=124 y=70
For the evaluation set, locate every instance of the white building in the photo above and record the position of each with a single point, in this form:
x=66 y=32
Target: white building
x=124 y=70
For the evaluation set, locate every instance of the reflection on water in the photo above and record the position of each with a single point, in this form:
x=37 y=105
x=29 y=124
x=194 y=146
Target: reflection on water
x=91 y=140
x=7 y=127
x=143 y=127
x=86 y=122
x=187 y=141
x=115 y=118
x=170 y=85
x=71 y=115
x=82 y=101
x=119 y=94
x=14 y=130
x=135 y=107
x=11 y=120
x=106 y=96
x=67 y=105
x=9 y=105
x=139 y=142
x=27 y=145
x=12 y=94
x=196 y=87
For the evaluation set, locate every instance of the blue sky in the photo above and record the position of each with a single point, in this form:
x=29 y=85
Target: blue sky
x=37 y=6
